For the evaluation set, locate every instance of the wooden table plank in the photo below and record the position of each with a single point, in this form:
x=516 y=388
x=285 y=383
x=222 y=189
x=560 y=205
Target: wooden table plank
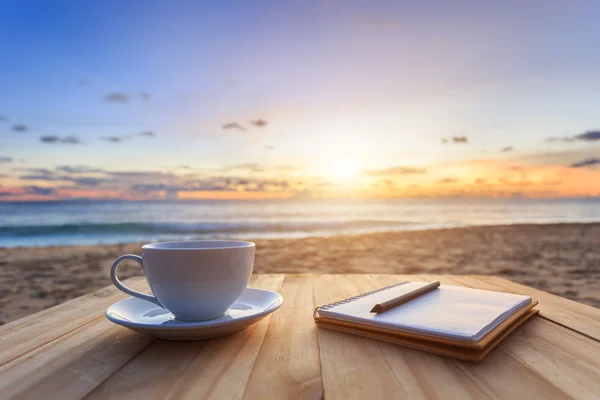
x=552 y=356
x=193 y=369
x=565 y=358
x=356 y=367
x=29 y=333
x=346 y=359
x=72 y=365
x=422 y=375
x=288 y=364
x=71 y=351
x=227 y=359
x=504 y=366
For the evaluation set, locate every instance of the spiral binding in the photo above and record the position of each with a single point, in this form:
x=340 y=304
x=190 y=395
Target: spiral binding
x=350 y=299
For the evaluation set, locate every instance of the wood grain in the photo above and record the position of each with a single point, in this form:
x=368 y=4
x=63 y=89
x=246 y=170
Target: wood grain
x=356 y=367
x=287 y=365
x=562 y=358
x=226 y=360
x=352 y=366
x=29 y=333
x=431 y=376
x=197 y=369
x=72 y=351
x=501 y=375
x=73 y=364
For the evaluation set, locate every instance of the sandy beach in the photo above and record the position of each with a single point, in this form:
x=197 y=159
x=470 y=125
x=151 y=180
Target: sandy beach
x=563 y=259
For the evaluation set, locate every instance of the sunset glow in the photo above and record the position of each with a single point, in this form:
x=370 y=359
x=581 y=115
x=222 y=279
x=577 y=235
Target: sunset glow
x=289 y=101
x=341 y=170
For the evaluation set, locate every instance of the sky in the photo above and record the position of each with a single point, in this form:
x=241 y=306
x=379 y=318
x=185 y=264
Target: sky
x=269 y=99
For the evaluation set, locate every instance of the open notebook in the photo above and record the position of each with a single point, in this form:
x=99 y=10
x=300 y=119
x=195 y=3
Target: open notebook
x=451 y=320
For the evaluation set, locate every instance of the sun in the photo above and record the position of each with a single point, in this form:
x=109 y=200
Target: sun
x=341 y=170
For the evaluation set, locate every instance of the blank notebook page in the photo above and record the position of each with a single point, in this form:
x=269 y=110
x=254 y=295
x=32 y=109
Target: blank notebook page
x=449 y=312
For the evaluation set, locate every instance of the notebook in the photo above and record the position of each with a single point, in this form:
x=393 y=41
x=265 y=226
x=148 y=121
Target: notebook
x=450 y=320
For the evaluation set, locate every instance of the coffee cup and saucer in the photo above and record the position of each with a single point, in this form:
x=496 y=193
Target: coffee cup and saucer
x=199 y=291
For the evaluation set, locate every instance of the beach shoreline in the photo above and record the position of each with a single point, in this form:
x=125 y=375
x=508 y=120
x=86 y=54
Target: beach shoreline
x=563 y=259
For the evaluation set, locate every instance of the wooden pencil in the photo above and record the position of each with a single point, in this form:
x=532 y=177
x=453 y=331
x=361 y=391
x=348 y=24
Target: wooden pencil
x=406 y=297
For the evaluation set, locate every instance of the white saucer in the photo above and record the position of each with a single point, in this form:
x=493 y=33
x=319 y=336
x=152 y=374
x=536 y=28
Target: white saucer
x=150 y=319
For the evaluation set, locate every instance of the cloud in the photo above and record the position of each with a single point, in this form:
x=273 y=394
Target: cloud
x=136 y=175
x=233 y=125
x=589 y=136
x=260 y=123
x=586 y=163
x=394 y=171
x=145 y=96
x=148 y=188
x=242 y=184
x=60 y=139
x=121 y=138
x=77 y=169
x=40 y=175
x=41 y=191
x=214 y=184
x=456 y=139
x=564 y=139
x=66 y=174
x=35 y=170
x=70 y=140
x=84 y=82
x=87 y=181
x=156 y=184
x=112 y=139
x=507 y=149
x=49 y=139
x=6 y=160
x=20 y=128
x=3 y=118
x=117 y=97
x=269 y=147
x=480 y=181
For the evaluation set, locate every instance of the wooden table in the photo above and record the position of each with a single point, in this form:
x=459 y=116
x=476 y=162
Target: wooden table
x=73 y=351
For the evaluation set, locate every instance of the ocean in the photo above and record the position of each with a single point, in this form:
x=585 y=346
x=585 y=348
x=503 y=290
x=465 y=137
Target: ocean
x=80 y=222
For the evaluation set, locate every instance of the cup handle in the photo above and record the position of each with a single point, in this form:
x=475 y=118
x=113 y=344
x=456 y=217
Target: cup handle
x=125 y=289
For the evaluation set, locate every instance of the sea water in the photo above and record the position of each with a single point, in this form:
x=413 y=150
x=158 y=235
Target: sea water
x=84 y=222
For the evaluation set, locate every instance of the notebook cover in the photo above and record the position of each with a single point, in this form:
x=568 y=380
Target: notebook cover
x=481 y=344
x=460 y=353
x=451 y=313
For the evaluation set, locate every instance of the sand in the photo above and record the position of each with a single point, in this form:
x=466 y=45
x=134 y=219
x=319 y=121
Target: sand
x=563 y=259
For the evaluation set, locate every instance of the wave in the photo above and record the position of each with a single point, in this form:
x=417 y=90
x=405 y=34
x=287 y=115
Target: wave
x=203 y=228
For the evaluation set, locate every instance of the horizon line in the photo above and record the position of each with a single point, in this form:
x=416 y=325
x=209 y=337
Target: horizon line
x=205 y=200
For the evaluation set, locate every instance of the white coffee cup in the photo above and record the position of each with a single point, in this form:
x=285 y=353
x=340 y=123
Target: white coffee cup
x=195 y=280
